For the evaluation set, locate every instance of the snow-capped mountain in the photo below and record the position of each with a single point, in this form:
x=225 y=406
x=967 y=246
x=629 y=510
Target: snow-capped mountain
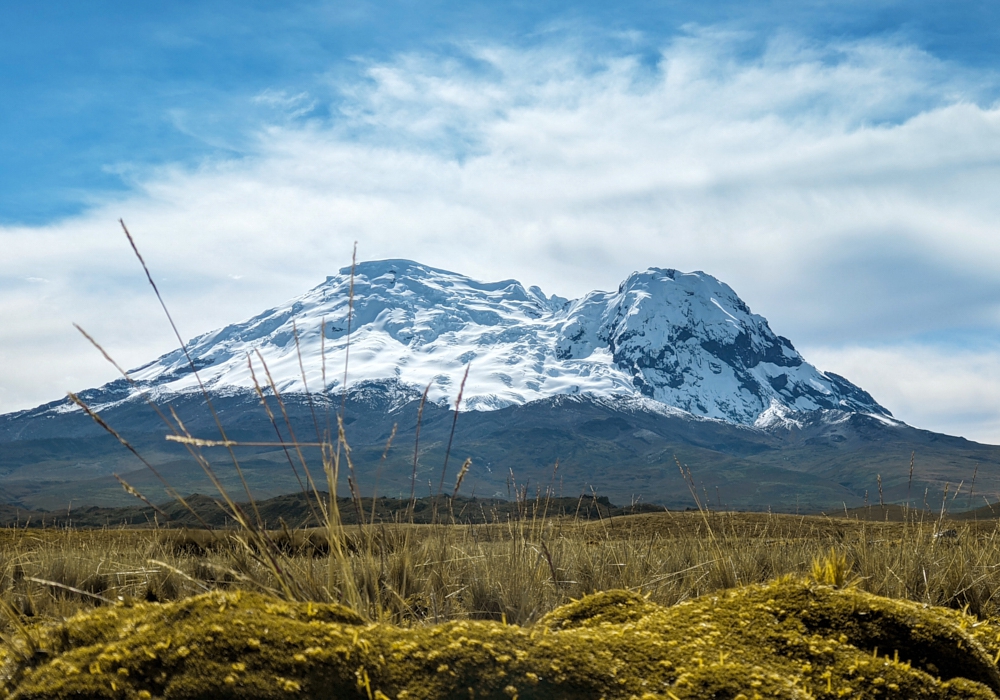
x=614 y=387
x=683 y=340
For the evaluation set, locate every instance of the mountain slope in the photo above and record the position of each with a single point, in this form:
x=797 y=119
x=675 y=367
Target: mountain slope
x=827 y=461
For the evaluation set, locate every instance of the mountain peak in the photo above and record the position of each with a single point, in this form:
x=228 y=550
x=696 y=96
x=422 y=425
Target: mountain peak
x=681 y=339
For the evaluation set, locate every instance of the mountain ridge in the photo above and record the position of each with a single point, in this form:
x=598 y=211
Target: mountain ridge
x=681 y=339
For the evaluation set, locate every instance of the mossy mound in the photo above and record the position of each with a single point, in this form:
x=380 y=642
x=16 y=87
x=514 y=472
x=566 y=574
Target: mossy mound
x=787 y=639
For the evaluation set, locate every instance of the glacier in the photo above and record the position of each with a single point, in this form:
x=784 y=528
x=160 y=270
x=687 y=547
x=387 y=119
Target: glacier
x=680 y=340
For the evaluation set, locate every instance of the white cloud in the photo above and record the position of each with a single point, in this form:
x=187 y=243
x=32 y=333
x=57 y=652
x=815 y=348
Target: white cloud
x=297 y=105
x=957 y=391
x=847 y=192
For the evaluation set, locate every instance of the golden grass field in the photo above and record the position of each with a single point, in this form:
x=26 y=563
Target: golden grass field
x=520 y=570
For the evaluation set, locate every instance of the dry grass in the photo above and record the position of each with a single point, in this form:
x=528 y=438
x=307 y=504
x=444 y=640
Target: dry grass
x=516 y=571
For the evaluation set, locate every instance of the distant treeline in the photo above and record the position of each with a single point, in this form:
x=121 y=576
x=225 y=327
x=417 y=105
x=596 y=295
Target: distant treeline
x=296 y=511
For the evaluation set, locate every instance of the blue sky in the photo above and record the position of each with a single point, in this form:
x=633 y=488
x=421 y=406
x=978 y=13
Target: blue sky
x=837 y=163
x=94 y=91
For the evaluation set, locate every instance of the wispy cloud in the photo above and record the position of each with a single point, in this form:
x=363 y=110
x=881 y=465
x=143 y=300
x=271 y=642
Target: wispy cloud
x=953 y=390
x=846 y=190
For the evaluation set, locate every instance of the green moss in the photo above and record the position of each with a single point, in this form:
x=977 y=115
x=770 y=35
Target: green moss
x=606 y=607
x=787 y=639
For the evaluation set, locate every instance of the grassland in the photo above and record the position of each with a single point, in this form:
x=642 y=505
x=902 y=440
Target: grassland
x=518 y=573
x=517 y=570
